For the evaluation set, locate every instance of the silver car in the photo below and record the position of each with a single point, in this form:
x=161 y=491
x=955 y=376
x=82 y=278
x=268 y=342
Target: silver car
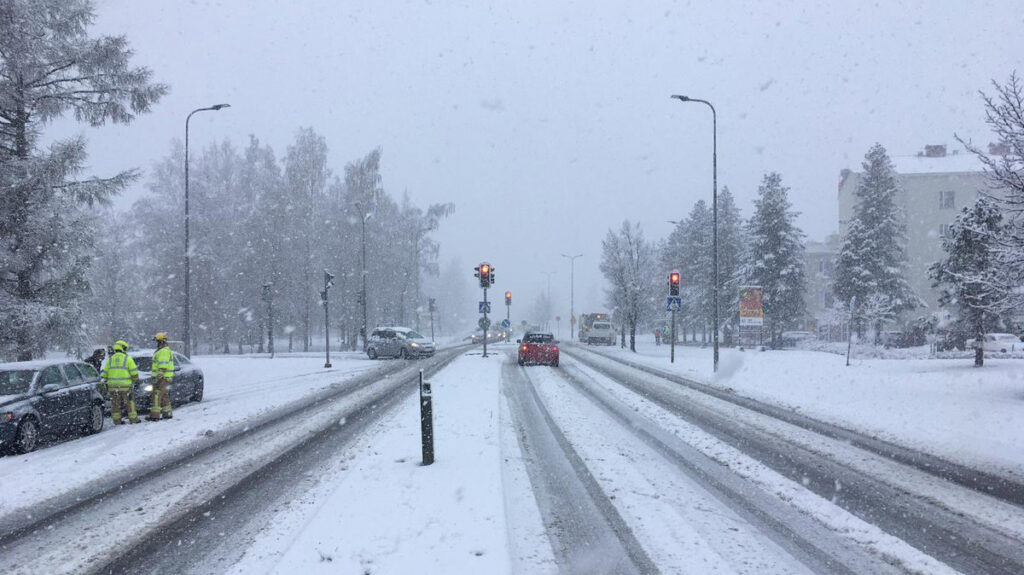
x=400 y=342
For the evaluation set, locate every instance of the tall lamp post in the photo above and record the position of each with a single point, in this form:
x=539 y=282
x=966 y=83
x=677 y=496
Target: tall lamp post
x=572 y=292
x=362 y=295
x=714 y=212
x=549 y=274
x=188 y=259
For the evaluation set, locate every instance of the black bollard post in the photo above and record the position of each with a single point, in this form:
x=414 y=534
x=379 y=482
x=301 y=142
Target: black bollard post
x=426 y=421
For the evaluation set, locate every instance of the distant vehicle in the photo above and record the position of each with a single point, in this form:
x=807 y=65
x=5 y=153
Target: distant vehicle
x=997 y=342
x=400 y=342
x=793 y=338
x=587 y=323
x=538 y=347
x=186 y=386
x=600 y=332
x=47 y=398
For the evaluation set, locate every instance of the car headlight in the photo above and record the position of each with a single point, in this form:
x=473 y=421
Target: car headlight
x=148 y=388
x=415 y=345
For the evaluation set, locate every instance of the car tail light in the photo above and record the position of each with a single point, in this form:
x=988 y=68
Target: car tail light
x=555 y=349
x=523 y=348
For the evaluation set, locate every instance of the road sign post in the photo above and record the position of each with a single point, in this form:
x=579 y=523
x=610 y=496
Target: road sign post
x=426 y=420
x=486 y=308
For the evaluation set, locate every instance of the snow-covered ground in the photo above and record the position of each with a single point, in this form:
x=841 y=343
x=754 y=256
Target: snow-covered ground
x=237 y=389
x=943 y=406
x=381 y=511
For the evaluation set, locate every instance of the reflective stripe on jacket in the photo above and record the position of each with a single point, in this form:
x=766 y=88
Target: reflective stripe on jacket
x=120 y=370
x=163 y=363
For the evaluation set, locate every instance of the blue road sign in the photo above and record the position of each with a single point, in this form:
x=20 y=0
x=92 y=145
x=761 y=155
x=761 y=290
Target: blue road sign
x=485 y=307
x=675 y=303
x=505 y=323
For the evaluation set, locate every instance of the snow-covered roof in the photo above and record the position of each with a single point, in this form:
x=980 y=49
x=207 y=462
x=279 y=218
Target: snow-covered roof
x=950 y=163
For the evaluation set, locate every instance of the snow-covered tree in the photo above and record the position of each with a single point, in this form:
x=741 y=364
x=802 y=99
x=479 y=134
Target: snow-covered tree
x=628 y=263
x=872 y=260
x=970 y=275
x=732 y=254
x=51 y=66
x=777 y=256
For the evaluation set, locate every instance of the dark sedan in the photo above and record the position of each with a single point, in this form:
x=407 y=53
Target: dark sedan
x=47 y=399
x=186 y=386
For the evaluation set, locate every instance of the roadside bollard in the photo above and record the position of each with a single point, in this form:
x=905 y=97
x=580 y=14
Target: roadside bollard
x=426 y=421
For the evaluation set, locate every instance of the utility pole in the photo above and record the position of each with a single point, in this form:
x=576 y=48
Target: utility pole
x=546 y=319
x=362 y=296
x=268 y=296
x=432 y=306
x=188 y=256
x=328 y=282
x=714 y=211
x=572 y=291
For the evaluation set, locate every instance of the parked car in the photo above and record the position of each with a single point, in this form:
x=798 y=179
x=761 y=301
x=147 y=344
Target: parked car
x=538 y=347
x=47 y=399
x=793 y=338
x=601 y=332
x=187 y=385
x=400 y=342
x=997 y=342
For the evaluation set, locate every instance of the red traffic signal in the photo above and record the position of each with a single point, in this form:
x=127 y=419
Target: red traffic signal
x=673 y=283
x=508 y=298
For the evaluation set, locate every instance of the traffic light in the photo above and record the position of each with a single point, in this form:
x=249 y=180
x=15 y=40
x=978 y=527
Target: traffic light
x=486 y=274
x=508 y=298
x=673 y=283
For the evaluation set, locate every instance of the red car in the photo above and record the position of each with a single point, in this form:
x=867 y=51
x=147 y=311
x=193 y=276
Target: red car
x=538 y=347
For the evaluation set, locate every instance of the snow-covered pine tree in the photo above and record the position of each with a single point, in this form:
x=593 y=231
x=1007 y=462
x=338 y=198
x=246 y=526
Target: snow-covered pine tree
x=777 y=256
x=970 y=275
x=49 y=66
x=732 y=246
x=872 y=259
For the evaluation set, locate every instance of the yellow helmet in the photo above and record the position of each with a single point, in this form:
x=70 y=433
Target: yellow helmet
x=120 y=345
x=162 y=336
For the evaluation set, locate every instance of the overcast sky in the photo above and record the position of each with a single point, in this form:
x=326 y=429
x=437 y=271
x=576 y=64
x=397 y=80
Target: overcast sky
x=549 y=122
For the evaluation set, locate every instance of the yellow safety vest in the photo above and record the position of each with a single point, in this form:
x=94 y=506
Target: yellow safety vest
x=120 y=370
x=163 y=363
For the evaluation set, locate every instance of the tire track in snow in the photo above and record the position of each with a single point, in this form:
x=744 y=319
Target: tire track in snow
x=587 y=532
x=948 y=536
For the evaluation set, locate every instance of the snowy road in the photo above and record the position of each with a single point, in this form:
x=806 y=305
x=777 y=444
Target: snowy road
x=188 y=477
x=961 y=527
x=593 y=467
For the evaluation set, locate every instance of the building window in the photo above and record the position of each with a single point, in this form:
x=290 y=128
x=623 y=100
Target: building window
x=947 y=199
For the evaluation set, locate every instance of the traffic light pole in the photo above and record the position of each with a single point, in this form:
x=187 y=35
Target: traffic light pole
x=672 y=355
x=508 y=319
x=485 y=322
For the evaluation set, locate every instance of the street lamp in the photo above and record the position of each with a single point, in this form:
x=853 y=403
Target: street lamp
x=362 y=296
x=714 y=212
x=188 y=261
x=549 y=274
x=572 y=291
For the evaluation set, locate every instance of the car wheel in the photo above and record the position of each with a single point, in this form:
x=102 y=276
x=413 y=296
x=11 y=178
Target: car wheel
x=27 y=438
x=402 y=354
x=554 y=363
x=95 y=420
x=521 y=362
x=197 y=393
x=371 y=353
x=1003 y=350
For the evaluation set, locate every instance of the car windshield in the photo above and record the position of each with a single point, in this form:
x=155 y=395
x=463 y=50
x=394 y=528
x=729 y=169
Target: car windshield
x=413 y=335
x=538 y=338
x=144 y=363
x=602 y=326
x=15 y=382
